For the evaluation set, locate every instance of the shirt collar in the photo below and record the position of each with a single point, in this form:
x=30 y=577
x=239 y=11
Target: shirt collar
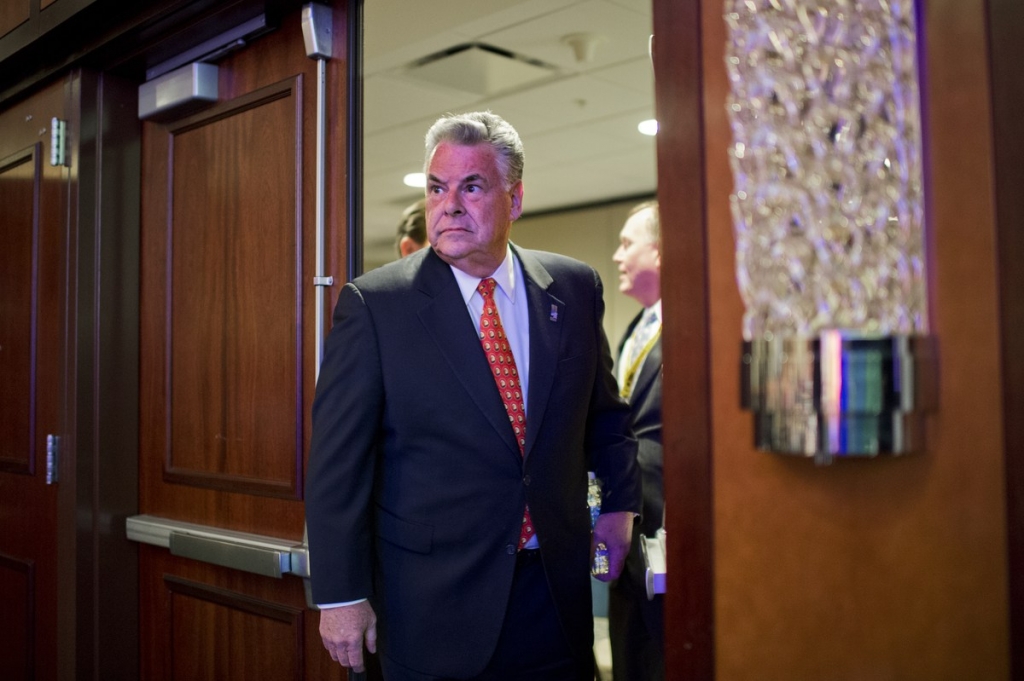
x=655 y=310
x=505 y=275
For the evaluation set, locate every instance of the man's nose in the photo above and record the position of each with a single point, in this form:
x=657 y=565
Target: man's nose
x=453 y=204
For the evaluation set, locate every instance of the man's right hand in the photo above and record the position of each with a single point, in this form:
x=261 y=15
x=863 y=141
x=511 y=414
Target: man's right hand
x=345 y=628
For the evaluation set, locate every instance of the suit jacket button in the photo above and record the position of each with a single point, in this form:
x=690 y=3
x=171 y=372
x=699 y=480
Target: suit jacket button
x=510 y=549
x=526 y=480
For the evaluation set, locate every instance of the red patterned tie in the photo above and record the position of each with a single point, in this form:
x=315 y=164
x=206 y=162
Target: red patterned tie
x=503 y=364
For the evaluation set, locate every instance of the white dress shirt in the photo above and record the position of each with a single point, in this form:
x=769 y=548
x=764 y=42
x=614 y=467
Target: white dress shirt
x=510 y=297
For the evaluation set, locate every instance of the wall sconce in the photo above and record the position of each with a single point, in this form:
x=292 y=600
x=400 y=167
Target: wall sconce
x=828 y=214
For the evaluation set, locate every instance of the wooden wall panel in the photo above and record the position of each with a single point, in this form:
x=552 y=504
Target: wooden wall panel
x=235 y=297
x=888 y=568
x=17 y=603
x=19 y=233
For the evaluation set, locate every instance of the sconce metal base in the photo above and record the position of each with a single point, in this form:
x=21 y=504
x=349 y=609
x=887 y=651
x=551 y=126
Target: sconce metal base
x=840 y=394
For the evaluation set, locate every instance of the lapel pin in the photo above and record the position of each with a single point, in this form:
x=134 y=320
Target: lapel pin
x=554 y=313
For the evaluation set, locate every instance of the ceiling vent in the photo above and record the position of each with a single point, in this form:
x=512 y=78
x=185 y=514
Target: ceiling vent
x=480 y=69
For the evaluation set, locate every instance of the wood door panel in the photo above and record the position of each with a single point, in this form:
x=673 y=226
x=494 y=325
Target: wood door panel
x=214 y=623
x=17 y=603
x=260 y=146
x=239 y=623
x=19 y=232
x=33 y=268
x=227 y=366
x=234 y=307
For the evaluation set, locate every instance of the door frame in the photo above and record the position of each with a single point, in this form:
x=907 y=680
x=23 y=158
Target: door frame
x=687 y=437
x=97 y=625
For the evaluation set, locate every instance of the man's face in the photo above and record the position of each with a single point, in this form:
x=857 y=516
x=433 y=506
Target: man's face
x=639 y=260
x=469 y=211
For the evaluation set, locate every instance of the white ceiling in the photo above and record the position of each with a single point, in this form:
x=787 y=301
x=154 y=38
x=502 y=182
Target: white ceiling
x=578 y=124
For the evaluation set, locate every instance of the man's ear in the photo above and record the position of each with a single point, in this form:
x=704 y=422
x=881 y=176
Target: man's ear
x=517 y=202
x=408 y=246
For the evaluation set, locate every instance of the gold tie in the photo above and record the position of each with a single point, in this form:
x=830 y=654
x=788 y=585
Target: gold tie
x=644 y=337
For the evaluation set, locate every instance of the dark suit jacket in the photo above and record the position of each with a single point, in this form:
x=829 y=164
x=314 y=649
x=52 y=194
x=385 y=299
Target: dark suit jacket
x=645 y=407
x=636 y=623
x=416 y=485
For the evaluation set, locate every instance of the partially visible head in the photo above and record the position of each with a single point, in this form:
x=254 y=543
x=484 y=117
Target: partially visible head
x=474 y=190
x=480 y=127
x=412 y=230
x=639 y=254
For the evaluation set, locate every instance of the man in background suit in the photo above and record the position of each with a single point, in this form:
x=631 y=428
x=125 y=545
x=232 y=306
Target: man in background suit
x=437 y=526
x=635 y=623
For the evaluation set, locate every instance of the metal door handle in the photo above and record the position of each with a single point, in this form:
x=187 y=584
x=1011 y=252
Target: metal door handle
x=259 y=554
x=268 y=562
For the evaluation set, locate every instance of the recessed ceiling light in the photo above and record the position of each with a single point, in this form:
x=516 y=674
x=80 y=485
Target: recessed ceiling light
x=648 y=127
x=415 y=180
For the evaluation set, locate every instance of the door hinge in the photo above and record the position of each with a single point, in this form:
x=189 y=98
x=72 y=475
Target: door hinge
x=52 y=458
x=58 y=142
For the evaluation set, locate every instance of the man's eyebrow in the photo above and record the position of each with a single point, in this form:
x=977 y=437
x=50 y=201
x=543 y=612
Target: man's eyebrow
x=472 y=177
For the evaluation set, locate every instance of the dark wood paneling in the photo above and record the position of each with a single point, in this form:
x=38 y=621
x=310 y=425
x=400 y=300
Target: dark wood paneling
x=214 y=623
x=232 y=255
x=99 y=485
x=1006 y=53
x=28 y=506
x=17 y=603
x=213 y=633
x=280 y=57
x=689 y=604
x=13 y=13
x=235 y=299
x=19 y=233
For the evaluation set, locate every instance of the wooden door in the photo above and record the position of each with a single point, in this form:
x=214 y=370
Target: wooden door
x=33 y=234
x=227 y=356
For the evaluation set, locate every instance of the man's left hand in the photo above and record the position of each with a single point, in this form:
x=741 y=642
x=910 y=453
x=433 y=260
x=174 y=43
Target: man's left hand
x=615 y=531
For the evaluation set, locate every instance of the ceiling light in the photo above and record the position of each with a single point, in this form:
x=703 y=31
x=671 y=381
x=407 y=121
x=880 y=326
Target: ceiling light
x=415 y=180
x=648 y=127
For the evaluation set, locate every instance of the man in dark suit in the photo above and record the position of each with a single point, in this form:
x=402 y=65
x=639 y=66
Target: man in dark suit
x=438 y=526
x=635 y=624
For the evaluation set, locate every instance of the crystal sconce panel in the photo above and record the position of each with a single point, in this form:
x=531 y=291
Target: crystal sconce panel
x=829 y=221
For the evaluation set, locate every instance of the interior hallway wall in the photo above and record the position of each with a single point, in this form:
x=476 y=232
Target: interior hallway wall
x=892 y=568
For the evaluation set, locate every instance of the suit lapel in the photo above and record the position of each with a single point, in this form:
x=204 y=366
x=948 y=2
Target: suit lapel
x=451 y=328
x=546 y=315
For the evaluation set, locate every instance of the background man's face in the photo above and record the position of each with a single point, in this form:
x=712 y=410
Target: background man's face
x=639 y=260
